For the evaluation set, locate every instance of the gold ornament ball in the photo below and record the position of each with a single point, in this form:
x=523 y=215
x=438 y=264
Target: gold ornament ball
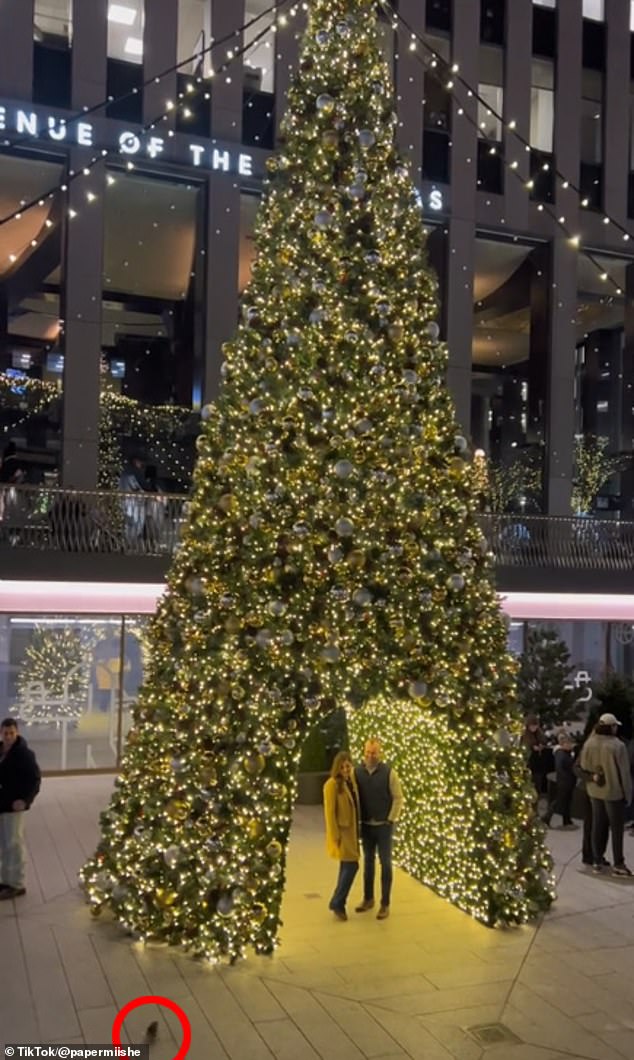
x=232 y=624
x=177 y=810
x=395 y=332
x=258 y=913
x=165 y=898
x=356 y=558
x=274 y=849
x=254 y=764
x=255 y=828
x=330 y=139
x=209 y=776
x=227 y=502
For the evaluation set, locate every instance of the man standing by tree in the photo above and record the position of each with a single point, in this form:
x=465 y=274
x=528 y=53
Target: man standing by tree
x=19 y=784
x=381 y=798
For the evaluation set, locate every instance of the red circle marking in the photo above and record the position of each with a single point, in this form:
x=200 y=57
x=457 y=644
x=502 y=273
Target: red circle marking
x=154 y=999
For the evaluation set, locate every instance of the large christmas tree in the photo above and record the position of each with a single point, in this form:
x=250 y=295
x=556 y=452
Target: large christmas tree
x=331 y=558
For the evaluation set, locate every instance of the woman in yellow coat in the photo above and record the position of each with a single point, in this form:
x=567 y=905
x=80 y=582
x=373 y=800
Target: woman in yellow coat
x=341 y=810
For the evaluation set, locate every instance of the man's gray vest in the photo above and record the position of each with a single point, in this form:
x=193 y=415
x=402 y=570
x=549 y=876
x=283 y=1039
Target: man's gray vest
x=374 y=792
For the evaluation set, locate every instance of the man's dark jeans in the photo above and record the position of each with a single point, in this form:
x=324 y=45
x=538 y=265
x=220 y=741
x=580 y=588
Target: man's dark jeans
x=347 y=873
x=608 y=815
x=377 y=837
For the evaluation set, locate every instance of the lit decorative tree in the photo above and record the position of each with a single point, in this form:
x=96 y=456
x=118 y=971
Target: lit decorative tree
x=593 y=467
x=331 y=557
x=53 y=678
x=506 y=486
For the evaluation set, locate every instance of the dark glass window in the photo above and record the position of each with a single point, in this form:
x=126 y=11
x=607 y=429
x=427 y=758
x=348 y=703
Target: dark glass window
x=490 y=168
x=125 y=80
x=492 y=21
x=593 y=44
x=52 y=73
x=436 y=156
x=194 y=112
x=439 y=15
x=542 y=176
x=544 y=31
x=591 y=185
x=258 y=119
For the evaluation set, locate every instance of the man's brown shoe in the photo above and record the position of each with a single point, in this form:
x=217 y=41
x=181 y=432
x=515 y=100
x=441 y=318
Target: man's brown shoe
x=383 y=912
x=365 y=905
x=340 y=914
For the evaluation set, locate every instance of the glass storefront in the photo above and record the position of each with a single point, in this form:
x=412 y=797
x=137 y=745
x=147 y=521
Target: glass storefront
x=72 y=681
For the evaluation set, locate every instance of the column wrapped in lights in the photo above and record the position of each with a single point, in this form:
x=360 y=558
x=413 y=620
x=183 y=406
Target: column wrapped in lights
x=331 y=557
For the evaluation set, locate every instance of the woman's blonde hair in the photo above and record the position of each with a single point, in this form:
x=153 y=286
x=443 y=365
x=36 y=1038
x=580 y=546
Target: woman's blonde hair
x=339 y=759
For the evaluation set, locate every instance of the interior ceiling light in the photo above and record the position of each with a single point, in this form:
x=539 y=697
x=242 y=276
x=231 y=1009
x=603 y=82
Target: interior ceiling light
x=122 y=14
x=133 y=46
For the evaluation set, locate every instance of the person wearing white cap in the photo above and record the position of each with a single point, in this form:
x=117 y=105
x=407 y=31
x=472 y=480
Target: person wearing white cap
x=605 y=763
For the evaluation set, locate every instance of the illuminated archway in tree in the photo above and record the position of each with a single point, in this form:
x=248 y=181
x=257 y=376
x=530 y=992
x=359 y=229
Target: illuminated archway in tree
x=331 y=557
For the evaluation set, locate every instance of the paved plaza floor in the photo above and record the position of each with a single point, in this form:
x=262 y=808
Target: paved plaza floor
x=425 y=984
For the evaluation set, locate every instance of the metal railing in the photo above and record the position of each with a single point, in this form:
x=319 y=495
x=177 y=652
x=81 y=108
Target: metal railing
x=149 y=524
x=98 y=521
x=578 y=542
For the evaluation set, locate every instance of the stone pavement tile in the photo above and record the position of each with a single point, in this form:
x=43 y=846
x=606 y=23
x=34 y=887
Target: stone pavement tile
x=434 y=1001
x=86 y=980
x=616 y=1036
x=17 y=1011
x=160 y=971
x=382 y=988
x=591 y=963
x=620 y=985
x=536 y=1022
x=566 y=987
x=469 y=974
x=205 y=1042
x=527 y=1052
x=286 y=1041
x=54 y=1008
x=252 y=994
x=118 y=963
x=235 y=1031
x=415 y=1040
x=355 y=1021
x=324 y=1034
x=96 y=1024
x=311 y=974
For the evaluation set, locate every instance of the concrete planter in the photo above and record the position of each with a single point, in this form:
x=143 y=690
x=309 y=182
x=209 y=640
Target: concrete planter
x=310 y=787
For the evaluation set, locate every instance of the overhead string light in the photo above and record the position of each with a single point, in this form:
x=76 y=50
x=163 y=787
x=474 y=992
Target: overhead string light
x=437 y=68
x=104 y=153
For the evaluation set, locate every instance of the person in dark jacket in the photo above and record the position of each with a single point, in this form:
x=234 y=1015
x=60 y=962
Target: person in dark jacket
x=19 y=784
x=565 y=784
x=538 y=755
x=381 y=802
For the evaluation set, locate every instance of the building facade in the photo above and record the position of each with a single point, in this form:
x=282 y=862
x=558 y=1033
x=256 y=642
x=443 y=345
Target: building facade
x=130 y=177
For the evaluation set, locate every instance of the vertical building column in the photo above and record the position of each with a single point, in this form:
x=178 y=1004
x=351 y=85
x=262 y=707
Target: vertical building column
x=287 y=41
x=560 y=414
x=221 y=287
x=226 y=88
x=160 y=50
x=410 y=85
x=616 y=124
x=458 y=278
x=16 y=49
x=560 y=422
x=567 y=131
x=517 y=108
x=89 y=53
x=82 y=279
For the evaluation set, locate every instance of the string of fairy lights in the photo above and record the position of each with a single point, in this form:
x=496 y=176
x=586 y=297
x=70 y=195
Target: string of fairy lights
x=233 y=55
x=447 y=75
